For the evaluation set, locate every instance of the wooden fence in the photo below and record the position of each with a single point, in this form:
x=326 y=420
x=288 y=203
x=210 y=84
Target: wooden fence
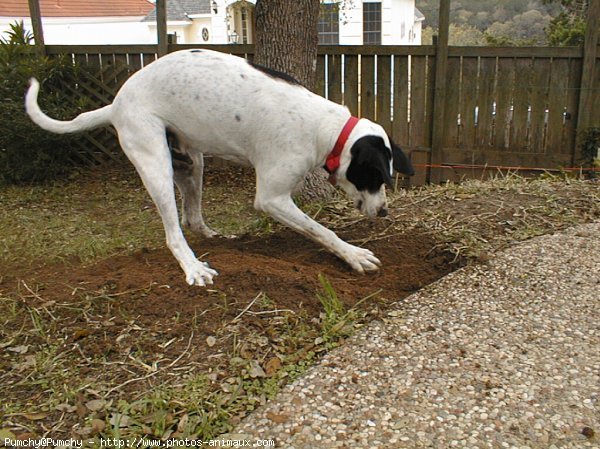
x=509 y=107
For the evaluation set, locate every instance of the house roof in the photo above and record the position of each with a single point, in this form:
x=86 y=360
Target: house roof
x=181 y=9
x=419 y=15
x=78 y=8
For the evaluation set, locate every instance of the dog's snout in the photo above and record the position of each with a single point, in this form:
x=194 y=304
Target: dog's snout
x=382 y=212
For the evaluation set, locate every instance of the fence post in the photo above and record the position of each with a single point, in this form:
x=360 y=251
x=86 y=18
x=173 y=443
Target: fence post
x=36 y=23
x=590 y=53
x=439 y=93
x=161 y=27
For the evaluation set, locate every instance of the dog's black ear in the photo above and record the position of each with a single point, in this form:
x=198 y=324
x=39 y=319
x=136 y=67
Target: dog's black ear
x=370 y=164
x=401 y=163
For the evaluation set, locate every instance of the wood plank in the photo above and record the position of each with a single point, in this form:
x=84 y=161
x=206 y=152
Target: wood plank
x=320 y=76
x=520 y=136
x=108 y=49
x=468 y=101
x=557 y=103
x=418 y=100
x=148 y=58
x=367 y=87
x=429 y=101
x=334 y=78
x=571 y=119
x=122 y=69
x=504 y=103
x=135 y=61
x=351 y=83
x=161 y=27
x=485 y=102
x=93 y=62
x=36 y=23
x=516 y=52
x=399 y=50
x=400 y=126
x=389 y=50
x=242 y=50
x=595 y=112
x=384 y=91
x=420 y=160
x=588 y=76
x=538 y=101
x=451 y=129
x=441 y=77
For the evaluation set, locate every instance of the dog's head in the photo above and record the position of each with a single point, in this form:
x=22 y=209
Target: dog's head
x=367 y=167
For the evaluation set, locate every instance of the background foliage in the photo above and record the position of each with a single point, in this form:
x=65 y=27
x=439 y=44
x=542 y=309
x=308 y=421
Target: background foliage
x=510 y=22
x=27 y=153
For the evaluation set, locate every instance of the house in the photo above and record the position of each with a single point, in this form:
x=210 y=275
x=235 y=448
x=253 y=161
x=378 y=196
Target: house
x=208 y=21
x=368 y=22
x=84 y=21
x=345 y=22
x=349 y=22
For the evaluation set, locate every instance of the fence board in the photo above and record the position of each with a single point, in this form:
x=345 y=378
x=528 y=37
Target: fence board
x=429 y=101
x=572 y=118
x=384 y=100
x=334 y=78
x=400 y=126
x=320 y=76
x=418 y=100
x=148 y=58
x=485 y=102
x=468 y=102
x=595 y=113
x=504 y=102
x=557 y=103
x=135 y=61
x=538 y=103
x=367 y=87
x=351 y=93
x=523 y=72
x=451 y=128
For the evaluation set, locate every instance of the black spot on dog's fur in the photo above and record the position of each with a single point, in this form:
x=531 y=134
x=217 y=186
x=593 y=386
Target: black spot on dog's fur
x=196 y=51
x=238 y=118
x=275 y=74
x=370 y=164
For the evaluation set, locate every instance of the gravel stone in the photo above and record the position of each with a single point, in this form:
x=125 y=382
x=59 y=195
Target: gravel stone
x=498 y=355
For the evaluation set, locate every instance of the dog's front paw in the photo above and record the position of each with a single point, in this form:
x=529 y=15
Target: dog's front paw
x=361 y=259
x=200 y=274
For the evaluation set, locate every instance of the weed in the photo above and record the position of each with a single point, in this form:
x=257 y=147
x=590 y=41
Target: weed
x=336 y=321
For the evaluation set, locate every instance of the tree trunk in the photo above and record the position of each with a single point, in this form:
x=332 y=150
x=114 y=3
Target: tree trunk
x=286 y=41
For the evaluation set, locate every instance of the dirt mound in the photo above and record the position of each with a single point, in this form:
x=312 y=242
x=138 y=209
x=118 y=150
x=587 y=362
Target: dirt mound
x=149 y=287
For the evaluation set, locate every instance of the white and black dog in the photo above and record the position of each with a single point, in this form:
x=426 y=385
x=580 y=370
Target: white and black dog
x=199 y=101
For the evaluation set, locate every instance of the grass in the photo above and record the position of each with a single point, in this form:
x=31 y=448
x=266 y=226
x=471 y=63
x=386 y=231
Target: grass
x=63 y=222
x=185 y=405
x=56 y=389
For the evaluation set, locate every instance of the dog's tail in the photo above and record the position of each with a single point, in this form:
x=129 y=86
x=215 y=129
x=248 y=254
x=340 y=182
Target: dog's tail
x=85 y=121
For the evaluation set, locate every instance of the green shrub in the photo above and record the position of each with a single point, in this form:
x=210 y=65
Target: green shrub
x=27 y=153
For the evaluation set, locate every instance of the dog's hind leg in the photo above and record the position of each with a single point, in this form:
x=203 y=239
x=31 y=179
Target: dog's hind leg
x=147 y=148
x=188 y=170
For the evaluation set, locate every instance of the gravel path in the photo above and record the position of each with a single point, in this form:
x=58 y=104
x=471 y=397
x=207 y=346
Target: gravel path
x=502 y=355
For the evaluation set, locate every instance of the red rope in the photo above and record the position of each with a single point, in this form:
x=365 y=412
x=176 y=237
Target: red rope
x=502 y=167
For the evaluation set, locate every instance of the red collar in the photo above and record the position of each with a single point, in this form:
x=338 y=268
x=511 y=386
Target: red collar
x=332 y=163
